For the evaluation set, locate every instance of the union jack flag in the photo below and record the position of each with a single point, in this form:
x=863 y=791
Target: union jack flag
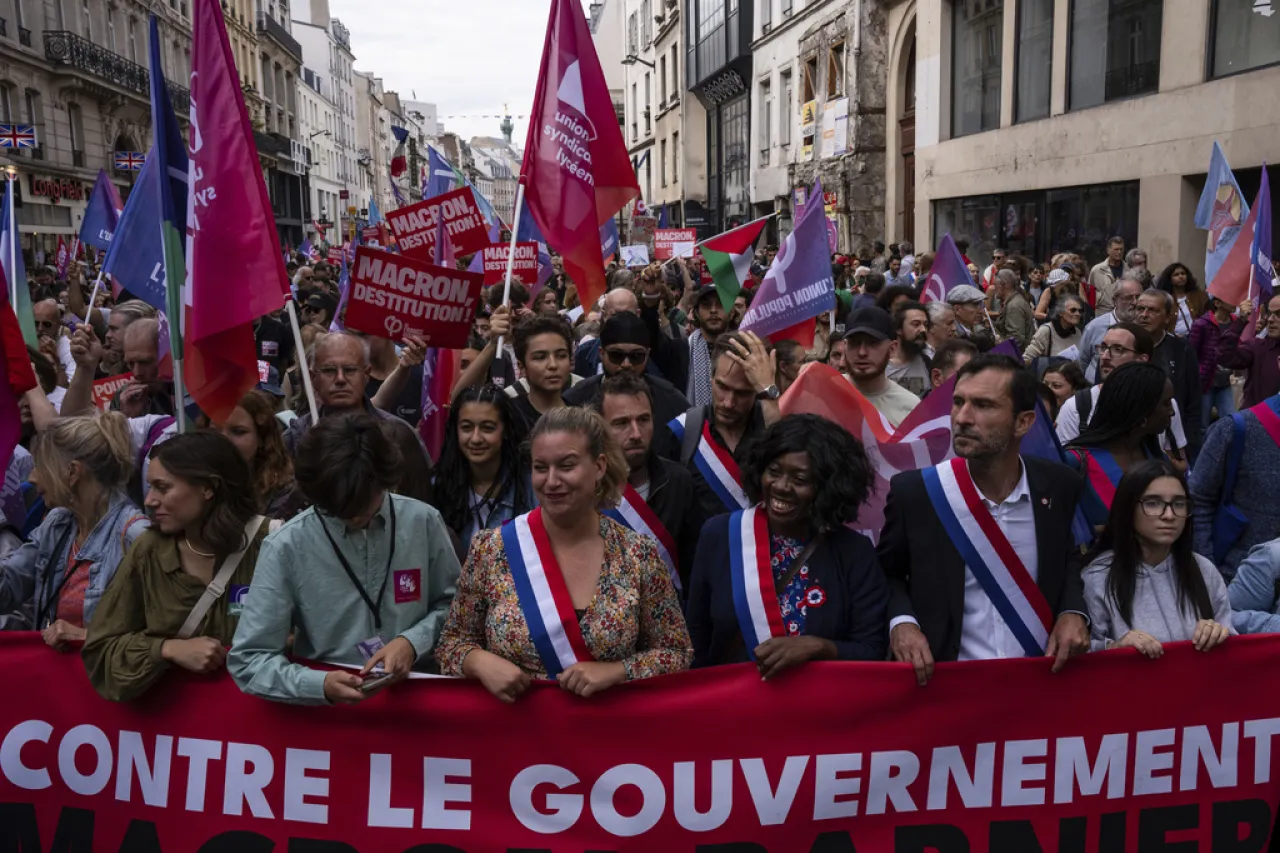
x=130 y=161
x=17 y=136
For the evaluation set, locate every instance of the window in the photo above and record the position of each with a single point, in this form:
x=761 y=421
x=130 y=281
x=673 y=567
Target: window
x=765 y=120
x=6 y=103
x=86 y=23
x=675 y=157
x=662 y=160
x=633 y=35
x=662 y=81
x=111 y=29
x=76 y=120
x=1246 y=35
x=785 y=114
x=635 y=112
x=35 y=116
x=1034 y=60
x=810 y=79
x=648 y=107
x=675 y=74
x=1115 y=50
x=132 y=44
x=766 y=16
x=646 y=22
x=975 y=66
x=835 y=70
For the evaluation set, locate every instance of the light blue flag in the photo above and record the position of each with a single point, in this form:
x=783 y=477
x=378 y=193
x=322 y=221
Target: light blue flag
x=1221 y=211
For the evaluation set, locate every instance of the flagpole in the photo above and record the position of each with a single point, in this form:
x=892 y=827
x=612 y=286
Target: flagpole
x=11 y=174
x=511 y=257
x=303 y=367
x=93 y=297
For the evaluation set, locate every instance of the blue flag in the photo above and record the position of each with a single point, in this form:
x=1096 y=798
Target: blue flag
x=1260 y=251
x=1221 y=211
x=375 y=215
x=609 y=240
x=442 y=177
x=102 y=214
x=662 y=217
x=135 y=258
x=172 y=167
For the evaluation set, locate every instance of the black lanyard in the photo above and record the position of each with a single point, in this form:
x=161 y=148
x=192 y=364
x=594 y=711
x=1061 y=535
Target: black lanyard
x=374 y=606
x=57 y=593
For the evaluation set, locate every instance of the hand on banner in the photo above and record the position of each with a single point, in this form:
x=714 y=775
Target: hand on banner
x=1209 y=634
x=198 y=654
x=499 y=676
x=414 y=352
x=396 y=657
x=592 y=677
x=60 y=633
x=1142 y=641
x=342 y=688
x=759 y=364
x=777 y=655
x=85 y=348
x=1070 y=637
x=910 y=645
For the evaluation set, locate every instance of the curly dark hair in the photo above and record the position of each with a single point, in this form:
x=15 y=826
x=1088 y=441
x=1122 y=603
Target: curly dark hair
x=838 y=465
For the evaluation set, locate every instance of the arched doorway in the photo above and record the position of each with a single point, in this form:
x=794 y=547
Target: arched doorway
x=907 y=139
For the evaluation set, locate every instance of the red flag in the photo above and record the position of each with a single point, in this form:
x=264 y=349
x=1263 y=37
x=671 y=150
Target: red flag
x=18 y=377
x=63 y=258
x=228 y=216
x=576 y=170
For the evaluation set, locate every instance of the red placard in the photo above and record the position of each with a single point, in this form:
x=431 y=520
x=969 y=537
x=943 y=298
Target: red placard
x=105 y=389
x=414 y=227
x=335 y=255
x=665 y=240
x=525 y=269
x=394 y=296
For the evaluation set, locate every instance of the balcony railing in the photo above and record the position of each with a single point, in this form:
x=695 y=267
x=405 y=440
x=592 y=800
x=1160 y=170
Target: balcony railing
x=1132 y=80
x=273 y=28
x=24 y=36
x=67 y=48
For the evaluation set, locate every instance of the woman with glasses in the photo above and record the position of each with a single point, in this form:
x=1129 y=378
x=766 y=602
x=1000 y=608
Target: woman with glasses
x=1062 y=332
x=1145 y=585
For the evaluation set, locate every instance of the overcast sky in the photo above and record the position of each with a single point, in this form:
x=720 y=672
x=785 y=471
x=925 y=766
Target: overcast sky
x=469 y=57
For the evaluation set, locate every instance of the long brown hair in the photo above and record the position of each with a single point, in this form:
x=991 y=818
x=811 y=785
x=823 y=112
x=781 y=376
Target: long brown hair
x=208 y=458
x=272 y=465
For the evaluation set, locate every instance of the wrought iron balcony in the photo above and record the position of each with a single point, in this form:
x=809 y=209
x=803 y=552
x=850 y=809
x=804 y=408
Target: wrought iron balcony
x=275 y=30
x=67 y=48
x=24 y=36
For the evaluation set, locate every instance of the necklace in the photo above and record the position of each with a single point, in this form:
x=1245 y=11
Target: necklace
x=196 y=551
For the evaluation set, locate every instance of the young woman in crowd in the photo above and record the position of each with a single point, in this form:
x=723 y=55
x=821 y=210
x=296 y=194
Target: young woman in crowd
x=546 y=303
x=56 y=581
x=1215 y=381
x=1133 y=410
x=256 y=433
x=806 y=479
x=204 y=518
x=1064 y=379
x=480 y=482
x=622 y=616
x=1062 y=332
x=1192 y=302
x=1146 y=586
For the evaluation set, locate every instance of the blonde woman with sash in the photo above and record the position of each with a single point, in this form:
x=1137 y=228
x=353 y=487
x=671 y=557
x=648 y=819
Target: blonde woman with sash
x=565 y=592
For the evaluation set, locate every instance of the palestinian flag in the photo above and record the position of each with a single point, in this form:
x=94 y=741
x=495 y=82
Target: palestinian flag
x=729 y=258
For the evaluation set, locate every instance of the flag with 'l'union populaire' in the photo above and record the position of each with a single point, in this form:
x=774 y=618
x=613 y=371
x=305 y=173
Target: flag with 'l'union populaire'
x=948 y=271
x=576 y=170
x=101 y=214
x=1222 y=211
x=729 y=256
x=229 y=217
x=798 y=286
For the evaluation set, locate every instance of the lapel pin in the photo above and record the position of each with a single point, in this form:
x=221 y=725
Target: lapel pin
x=1046 y=502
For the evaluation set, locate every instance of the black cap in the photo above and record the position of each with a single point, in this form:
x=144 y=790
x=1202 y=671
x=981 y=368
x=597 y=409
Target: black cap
x=624 y=328
x=872 y=321
x=706 y=290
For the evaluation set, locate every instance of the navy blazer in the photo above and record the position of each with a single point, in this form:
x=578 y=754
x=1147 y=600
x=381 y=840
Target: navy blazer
x=854 y=616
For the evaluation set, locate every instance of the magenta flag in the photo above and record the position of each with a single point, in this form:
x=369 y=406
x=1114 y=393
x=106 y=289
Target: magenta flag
x=235 y=268
x=577 y=172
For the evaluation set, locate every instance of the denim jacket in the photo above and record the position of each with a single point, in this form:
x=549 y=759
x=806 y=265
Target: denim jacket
x=31 y=576
x=1255 y=591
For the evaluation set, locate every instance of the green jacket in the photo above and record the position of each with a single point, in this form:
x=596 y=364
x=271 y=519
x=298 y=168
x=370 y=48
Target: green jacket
x=300 y=585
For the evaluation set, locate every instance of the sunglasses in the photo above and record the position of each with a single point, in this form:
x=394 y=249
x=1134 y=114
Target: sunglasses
x=625 y=356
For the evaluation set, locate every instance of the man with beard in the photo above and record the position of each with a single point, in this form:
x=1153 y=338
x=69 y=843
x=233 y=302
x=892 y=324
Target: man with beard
x=1124 y=301
x=908 y=365
x=711 y=322
x=995 y=577
x=659 y=494
x=868 y=343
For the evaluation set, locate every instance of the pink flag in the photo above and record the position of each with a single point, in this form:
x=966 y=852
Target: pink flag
x=576 y=169
x=228 y=217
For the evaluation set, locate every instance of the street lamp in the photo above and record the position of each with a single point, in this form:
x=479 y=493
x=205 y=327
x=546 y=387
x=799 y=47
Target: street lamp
x=320 y=133
x=632 y=59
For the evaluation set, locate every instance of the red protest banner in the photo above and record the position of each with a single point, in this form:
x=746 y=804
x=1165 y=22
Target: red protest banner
x=414 y=227
x=105 y=389
x=525 y=269
x=666 y=242
x=394 y=296
x=1116 y=753
x=335 y=255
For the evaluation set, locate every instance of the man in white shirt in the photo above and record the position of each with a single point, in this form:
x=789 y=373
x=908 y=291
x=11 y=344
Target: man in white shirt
x=869 y=341
x=929 y=549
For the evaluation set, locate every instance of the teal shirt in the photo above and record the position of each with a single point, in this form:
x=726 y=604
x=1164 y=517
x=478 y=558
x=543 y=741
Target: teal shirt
x=299 y=584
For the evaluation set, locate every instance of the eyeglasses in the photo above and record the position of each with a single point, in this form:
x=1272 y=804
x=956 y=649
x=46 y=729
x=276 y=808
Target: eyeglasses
x=625 y=356
x=349 y=371
x=1148 y=309
x=1071 y=311
x=1154 y=507
x=1115 y=350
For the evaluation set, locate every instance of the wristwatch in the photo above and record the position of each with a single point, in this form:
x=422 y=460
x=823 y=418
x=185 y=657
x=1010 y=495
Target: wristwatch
x=770 y=393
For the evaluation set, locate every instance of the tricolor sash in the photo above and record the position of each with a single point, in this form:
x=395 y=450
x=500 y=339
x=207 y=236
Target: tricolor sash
x=755 y=599
x=987 y=553
x=716 y=465
x=1103 y=473
x=634 y=514
x=544 y=598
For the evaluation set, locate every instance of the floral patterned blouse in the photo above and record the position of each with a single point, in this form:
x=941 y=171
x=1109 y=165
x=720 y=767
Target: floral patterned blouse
x=634 y=618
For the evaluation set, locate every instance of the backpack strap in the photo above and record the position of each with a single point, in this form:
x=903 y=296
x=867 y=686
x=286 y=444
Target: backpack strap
x=1234 y=454
x=693 y=420
x=1084 y=406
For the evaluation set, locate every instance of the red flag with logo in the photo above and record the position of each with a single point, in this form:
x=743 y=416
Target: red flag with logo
x=229 y=216
x=63 y=258
x=576 y=170
x=18 y=376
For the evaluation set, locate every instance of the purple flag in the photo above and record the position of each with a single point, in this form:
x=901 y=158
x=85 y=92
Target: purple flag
x=344 y=291
x=102 y=214
x=798 y=286
x=947 y=272
x=1260 y=251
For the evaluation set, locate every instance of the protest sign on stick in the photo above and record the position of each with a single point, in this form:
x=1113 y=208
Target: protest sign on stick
x=414 y=227
x=674 y=243
x=524 y=268
x=394 y=296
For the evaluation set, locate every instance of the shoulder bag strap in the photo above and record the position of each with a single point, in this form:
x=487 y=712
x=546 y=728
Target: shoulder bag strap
x=797 y=564
x=218 y=585
x=1084 y=406
x=693 y=421
x=1233 y=457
